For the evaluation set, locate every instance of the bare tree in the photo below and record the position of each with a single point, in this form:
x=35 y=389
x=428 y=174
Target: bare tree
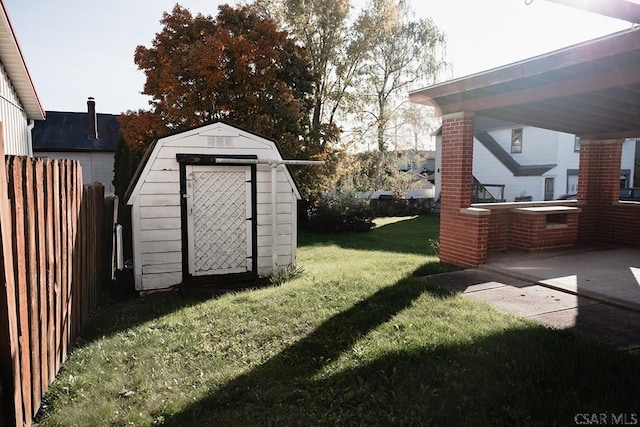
x=336 y=52
x=403 y=53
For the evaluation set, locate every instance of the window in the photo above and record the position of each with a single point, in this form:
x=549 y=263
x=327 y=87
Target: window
x=576 y=144
x=516 y=140
x=572 y=181
x=548 y=188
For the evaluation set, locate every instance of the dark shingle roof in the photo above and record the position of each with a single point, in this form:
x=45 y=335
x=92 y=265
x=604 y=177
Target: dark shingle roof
x=64 y=131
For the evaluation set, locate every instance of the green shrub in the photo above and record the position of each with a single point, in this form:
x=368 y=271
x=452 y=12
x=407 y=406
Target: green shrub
x=340 y=214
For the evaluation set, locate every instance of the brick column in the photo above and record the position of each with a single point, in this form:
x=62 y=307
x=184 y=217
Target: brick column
x=598 y=186
x=463 y=231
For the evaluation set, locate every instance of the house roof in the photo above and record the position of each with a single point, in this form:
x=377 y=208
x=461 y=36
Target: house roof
x=16 y=68
x=65 y=131
x=591 y=89
x=626 y=10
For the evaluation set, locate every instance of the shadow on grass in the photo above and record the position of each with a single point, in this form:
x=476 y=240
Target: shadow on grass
x=124 y=314
x=527 y=376
x=121 y=315
x=410 y=235
x=399 y=237
x=114 y=317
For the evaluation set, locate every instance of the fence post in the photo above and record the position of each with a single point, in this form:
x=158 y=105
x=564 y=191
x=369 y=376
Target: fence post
x=11 y=395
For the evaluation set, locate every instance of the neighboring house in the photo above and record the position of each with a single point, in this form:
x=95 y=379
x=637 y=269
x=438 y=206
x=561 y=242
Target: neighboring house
x=89 y=138
x=421 y=161
x=518 y=162
x=19 y=103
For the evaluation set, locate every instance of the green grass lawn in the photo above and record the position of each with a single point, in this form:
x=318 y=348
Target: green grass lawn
x=357 y=338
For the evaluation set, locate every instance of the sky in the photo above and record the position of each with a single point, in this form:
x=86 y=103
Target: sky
x=75 y=49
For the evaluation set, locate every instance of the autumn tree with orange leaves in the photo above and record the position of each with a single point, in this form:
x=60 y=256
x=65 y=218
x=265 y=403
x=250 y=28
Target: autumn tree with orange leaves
x=236 y=67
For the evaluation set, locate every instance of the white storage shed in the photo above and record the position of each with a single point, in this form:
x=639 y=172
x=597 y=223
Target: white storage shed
x=211 y=204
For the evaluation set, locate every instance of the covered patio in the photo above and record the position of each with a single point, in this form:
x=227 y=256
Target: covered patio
x=591 y=90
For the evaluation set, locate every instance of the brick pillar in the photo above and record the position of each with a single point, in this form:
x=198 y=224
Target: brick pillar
x=463 y=231
x=598 y=186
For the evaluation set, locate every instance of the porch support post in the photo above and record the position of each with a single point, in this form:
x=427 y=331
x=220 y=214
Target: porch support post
x=598 y=186
x=463 y=230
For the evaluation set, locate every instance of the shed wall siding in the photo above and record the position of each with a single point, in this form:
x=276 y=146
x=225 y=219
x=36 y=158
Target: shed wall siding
x=160 y=234
x=17 y=137
x=158 y=243
x=286 y=220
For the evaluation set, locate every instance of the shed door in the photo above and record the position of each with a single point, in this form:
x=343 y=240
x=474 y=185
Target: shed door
x=219 y=221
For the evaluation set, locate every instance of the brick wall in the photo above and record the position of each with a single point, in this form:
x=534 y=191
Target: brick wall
x=499 y=230
x=532 y=233
x=463 y=234
x=621 y=224
x=598 y=186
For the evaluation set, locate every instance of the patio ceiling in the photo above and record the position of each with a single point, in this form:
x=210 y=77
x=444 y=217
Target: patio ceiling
x=591 y=89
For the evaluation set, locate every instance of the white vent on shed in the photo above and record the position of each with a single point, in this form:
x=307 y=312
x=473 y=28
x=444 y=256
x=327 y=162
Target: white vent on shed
x=221 y=141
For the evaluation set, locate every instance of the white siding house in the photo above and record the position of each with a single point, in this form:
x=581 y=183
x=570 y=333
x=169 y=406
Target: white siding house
x=19 y=103
x=529 y=161
x=97 y=166
x=196 y=219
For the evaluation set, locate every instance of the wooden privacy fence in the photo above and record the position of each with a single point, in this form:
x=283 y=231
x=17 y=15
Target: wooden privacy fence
x=52 y=263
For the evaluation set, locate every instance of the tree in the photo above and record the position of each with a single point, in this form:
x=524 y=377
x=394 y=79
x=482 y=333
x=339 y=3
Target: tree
x=403 y=52
x=237 y=67
x=139 y=129
x=421 y=123
x=124 y=166
x=335 y=53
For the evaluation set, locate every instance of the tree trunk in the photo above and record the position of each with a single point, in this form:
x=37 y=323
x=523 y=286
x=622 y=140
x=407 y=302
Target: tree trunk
x=380 y=156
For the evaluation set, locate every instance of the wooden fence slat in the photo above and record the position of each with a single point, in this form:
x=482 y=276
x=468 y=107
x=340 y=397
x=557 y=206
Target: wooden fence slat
x=11 y=366
x=40 y=215
x=71 y=237
x=83 y=241
x=78 y=255
x=51 y=262
x=57 y=232
x=92 y=219
x=20 y=261
x=32 y=276
x=64 y=259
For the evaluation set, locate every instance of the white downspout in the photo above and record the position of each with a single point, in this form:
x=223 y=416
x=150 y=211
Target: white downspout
x=30 y=125
x=274 y=214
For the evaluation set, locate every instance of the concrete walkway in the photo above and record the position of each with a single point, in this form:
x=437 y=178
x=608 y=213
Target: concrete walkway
x=593 y=291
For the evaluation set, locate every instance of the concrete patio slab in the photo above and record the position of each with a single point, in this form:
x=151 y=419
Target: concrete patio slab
x=610 y=324
x=530 y=301
x=474 y=280
x=592 y=292
x=610 y=275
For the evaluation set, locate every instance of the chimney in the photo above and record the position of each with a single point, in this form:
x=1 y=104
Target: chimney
x=92 y=121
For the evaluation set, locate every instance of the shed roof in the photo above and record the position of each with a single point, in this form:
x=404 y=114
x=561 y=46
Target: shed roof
x=16 y=68
x=591 y=89
x=66 y=131
x=138 y=177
